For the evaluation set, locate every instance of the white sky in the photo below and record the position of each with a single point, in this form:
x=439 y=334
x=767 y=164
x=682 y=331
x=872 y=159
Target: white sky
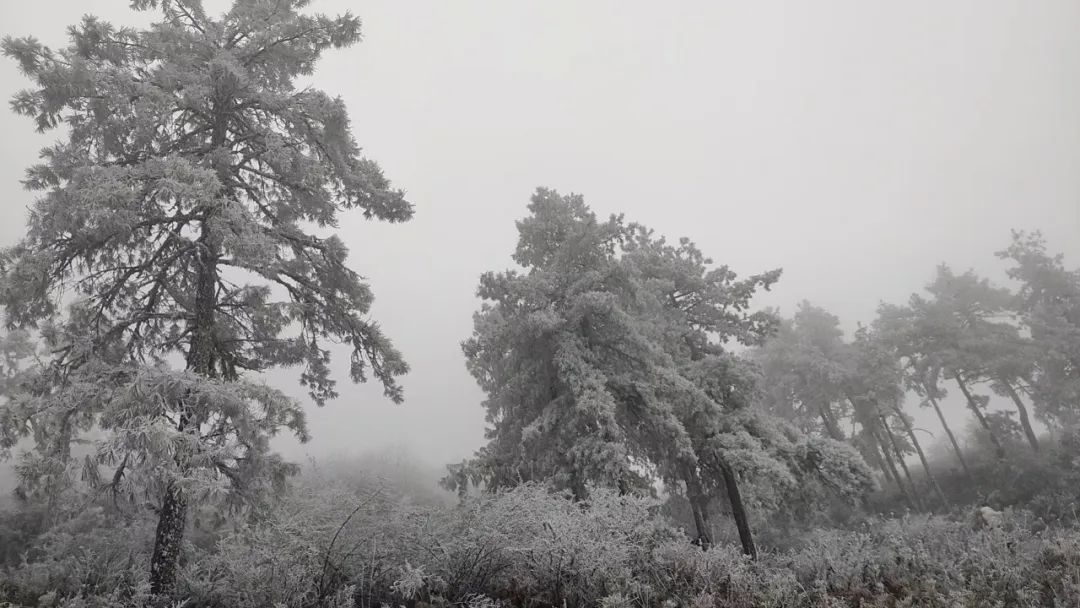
x=854 y=143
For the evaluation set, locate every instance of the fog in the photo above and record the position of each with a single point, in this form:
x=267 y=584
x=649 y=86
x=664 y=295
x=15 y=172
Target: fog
x=854 y=144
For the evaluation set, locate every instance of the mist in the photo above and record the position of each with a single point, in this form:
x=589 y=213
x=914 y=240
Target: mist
x=855 y=145
x=880 y=406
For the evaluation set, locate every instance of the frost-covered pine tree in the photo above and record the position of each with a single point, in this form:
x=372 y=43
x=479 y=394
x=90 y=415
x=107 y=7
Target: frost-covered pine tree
x=965 y=332
x=605 y=360
x=178 y=220
x=1048 y=303
x=804 y=371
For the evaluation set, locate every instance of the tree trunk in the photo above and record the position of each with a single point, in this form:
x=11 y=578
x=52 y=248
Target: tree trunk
x=172 y=521
x=922 y=455
x=875 y=446
x=699 y=507
x=880 y=453
x=892 y=473
x=974 y=407
x=831 y=427
x=579 y=490
x=1025 y=421
x=738 y=510
x=167 y=539
x=917 y=503
x=949 y=433
x=886 y=465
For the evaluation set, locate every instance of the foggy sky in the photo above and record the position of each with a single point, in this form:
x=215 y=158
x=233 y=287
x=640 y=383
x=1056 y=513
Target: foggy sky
x=854 y=144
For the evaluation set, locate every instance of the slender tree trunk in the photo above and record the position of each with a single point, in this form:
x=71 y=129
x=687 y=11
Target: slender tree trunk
x=922 y=455
x=738 y=510
x=886 y=465
x=699 y=507
x=974 y=407
x=831 y=427
x=891 y=470
x=1025 y=421
x=579 y=490
x=884 y=462
x=903 y=465
x=948 y=432
x=172 y=520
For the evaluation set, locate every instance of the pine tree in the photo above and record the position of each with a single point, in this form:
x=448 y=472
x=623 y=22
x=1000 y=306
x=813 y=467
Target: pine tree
x=805 y=369
x=983 y=338
x=181 y=212
x=1049 y=307
x=604 y=361
x=902 y=332
x=877 y=379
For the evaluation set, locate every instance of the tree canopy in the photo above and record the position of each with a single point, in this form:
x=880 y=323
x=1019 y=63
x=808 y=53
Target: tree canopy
x=184 y=214
x=605 y=360
x=1048 y=304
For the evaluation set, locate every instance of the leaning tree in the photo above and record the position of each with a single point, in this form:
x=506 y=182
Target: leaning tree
x=932 y=339
x=984 y=341
x=804 y=367
x=1048 y=302
x=182 y=222
x=604 y=359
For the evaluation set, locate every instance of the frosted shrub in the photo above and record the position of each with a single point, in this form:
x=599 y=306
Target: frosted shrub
x=616 y=600
x=412 y=582
x=1059 y=571
x=337 y=545
x=89 y=555
x=303 y=551
x=527 y=543
x=529 y=547
x=722 y=575
x=481 y=601
x=924 y=561
x=577 y=552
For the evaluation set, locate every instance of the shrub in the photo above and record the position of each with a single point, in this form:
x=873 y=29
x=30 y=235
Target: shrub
x=349 y=540
x=95 y=558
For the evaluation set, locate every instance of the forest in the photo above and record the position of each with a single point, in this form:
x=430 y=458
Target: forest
x=653 y=438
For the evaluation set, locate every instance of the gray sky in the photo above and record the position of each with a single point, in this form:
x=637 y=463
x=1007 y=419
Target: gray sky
x=854 y=143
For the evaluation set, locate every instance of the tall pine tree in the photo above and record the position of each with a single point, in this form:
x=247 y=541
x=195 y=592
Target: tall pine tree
x=605 y=360
x=180 y=214
x=1049 y=306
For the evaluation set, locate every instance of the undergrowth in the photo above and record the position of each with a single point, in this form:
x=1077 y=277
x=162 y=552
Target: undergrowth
x=335 y=543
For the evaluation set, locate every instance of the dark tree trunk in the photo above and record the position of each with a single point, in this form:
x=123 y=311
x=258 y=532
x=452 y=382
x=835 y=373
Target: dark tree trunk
x=877 y=446
x=890 y=468
x=879 y=456
x=172 y=521
x=922 y=456
x=999 y=450
x=948 y=432
x=916 y=502
x=831 y=427
x=1025 y=421
x=699 y=507
x=578 y=488
x=738 y=510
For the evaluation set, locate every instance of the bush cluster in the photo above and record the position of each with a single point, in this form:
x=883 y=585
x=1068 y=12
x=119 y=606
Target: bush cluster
x=340 y=543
